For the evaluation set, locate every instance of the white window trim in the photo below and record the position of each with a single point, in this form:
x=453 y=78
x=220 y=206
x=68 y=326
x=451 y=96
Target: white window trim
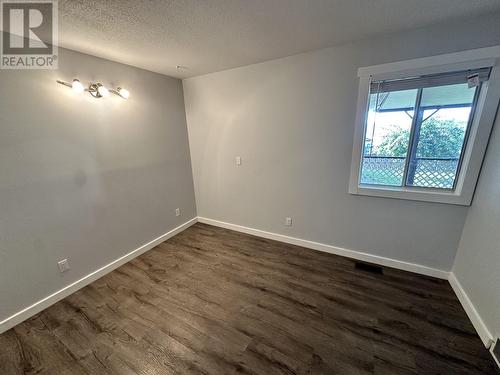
x=481 y=126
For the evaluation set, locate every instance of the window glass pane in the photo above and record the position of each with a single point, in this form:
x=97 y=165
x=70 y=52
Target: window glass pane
x=387 y=137
x=439 y=136
x=447 y=95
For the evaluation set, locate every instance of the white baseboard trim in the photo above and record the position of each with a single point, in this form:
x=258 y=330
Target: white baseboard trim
x=469 y=308
x=471 y=311
x=66 y=291
x=388 y=262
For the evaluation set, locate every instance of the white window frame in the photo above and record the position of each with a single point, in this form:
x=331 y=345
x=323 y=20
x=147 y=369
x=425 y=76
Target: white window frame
x=479 y=133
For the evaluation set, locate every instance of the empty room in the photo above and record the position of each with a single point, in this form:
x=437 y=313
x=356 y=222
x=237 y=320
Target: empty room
x=255 y=187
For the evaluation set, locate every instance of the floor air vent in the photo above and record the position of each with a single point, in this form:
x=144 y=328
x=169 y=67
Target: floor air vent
x=369 y=268
x=496 y=352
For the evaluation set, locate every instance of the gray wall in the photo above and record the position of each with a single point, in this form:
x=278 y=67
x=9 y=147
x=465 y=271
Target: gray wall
x=477 y=265
x=85 y=179
x=291 y=120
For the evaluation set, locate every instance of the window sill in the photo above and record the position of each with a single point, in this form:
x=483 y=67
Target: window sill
x=414 y=194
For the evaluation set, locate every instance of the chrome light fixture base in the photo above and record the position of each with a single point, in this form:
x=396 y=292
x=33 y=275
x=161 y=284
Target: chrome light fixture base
x=94 y=90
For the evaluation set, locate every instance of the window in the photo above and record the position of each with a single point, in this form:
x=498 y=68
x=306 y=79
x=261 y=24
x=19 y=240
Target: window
x=416 y=136
x=417 y=131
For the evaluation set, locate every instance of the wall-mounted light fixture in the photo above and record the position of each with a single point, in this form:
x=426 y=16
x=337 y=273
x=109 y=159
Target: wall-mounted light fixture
x=97 y=90
x=77 y=86
x=124 y=93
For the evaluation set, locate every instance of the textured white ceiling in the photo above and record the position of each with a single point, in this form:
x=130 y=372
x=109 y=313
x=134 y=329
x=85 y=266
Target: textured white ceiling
x=211 y=35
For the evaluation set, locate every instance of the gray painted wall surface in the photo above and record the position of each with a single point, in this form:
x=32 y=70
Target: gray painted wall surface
x=291 y=120
x=85 y=179
x=477 y=265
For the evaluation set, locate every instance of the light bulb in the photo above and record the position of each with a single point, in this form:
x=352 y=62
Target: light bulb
x=103 y=91
x=124 y=93
x=77 y=86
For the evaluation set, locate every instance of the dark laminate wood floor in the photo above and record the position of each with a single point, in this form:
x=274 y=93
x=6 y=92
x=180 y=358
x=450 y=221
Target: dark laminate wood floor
x=213 y=301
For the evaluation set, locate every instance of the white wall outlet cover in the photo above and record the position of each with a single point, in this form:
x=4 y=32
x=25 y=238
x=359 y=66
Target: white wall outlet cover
x=238 y=160
x=288 y=221
x=177 y=212
x=63 y=265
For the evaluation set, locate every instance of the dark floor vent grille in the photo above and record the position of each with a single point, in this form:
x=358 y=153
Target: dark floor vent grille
x=369 y=268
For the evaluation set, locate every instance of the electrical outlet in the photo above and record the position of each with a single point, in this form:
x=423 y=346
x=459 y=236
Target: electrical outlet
x=288 y=221
x=63 y=265
x=238 y=160
x=177 y=212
